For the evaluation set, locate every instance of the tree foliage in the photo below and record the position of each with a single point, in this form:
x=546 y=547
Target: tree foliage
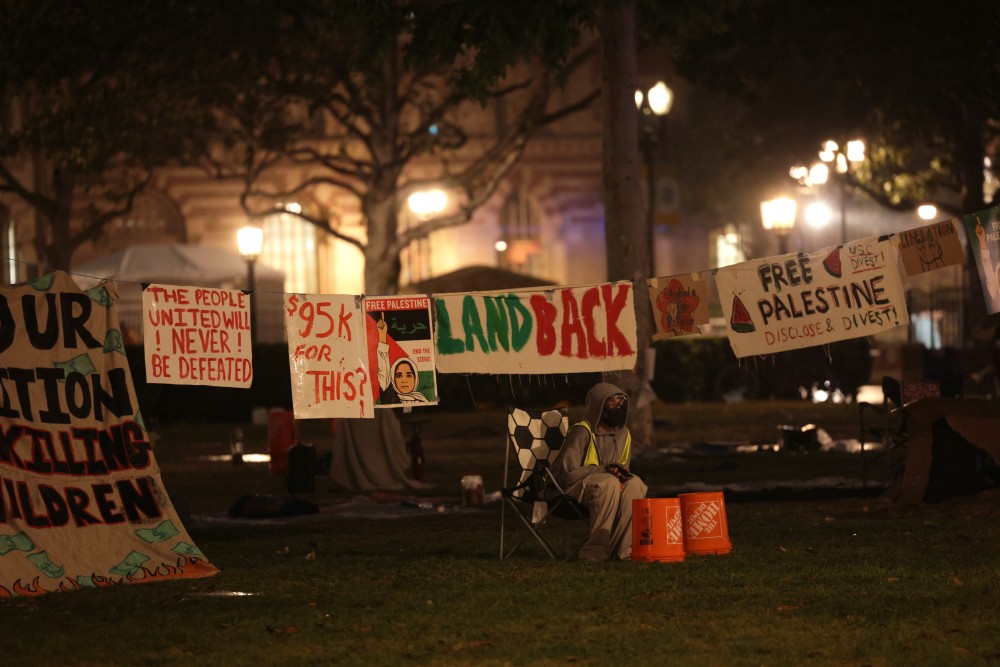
x=351 y=95
x=919 y=82
x=89 y=109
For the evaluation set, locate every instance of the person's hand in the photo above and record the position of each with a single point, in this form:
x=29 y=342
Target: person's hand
x=381 y=327
x=619 y=471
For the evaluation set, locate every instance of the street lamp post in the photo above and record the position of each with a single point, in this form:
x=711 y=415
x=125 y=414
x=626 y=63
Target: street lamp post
x=658 y=101
x=831 y=154
x=778 y=216
x=415 y=257
x=250 y=241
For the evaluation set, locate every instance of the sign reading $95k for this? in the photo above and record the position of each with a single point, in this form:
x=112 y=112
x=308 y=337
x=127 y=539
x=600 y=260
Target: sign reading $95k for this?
x=327 y=353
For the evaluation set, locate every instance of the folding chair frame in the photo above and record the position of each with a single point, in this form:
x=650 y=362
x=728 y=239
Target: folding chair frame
x=533 y=491
x=891 y=431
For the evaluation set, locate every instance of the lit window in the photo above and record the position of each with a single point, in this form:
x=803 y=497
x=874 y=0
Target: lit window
x=728 y=249
x=290 y=247
x=8 y=248
x=520 y=231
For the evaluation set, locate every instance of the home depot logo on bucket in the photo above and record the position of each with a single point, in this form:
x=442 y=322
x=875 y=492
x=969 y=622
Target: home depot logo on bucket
x=704 y=520
x=657 y=533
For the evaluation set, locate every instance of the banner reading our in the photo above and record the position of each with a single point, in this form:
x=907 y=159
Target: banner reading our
x=559 y=330
x=82 y=504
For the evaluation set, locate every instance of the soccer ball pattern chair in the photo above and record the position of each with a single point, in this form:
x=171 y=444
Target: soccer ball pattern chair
x=534 y=438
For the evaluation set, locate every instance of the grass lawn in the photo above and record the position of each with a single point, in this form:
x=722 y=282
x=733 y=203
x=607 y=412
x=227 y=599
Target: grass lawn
x=846 y=581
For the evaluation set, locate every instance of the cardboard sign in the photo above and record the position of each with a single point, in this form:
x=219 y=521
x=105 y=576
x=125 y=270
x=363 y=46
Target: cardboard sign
x=931 y=247
x=401 y=351
x=680 y=305
x=559 y=330
x=983 y=230
x=800 y=300
x=81 y=500
x=197 y=335
x=328 y=356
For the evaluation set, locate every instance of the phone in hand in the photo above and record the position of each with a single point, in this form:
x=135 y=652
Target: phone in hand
x=619 y=471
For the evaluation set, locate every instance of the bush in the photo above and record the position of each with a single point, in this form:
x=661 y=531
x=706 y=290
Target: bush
x=699 y=368
x=705 y=369
x=166 y=403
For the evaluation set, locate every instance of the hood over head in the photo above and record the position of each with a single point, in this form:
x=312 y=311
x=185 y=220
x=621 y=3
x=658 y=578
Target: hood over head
x=596 y=397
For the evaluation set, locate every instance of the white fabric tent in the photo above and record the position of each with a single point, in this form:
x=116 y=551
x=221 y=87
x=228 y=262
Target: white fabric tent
x=186 y=265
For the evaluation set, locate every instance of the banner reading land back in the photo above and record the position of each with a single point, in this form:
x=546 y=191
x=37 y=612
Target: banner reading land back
x=81 y=500
x=557 y=330
x=800 y=300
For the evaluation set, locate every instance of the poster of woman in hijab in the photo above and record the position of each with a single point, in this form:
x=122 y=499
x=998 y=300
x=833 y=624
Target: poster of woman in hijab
x=401 y=348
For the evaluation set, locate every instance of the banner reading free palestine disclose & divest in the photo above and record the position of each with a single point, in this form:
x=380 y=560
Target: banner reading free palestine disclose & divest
x=800 y=300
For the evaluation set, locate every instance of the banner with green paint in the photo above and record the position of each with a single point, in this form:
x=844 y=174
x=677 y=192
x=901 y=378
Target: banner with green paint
x=555 y=330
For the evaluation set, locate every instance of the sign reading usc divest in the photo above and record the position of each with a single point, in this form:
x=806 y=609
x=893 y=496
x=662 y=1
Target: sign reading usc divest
x=81 y=501
x=558 y=330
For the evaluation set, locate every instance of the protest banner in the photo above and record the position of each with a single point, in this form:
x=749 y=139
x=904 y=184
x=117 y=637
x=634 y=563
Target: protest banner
x=81 y=500
x=557 y=330
x=931 y=247
x=680 y=305
x=800 y=300
x=197 y=336
x=401 y=351
x=983 y=230
x=328 y=356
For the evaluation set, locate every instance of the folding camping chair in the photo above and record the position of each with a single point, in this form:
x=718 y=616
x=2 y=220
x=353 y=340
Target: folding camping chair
x=887 y=423
x=535 y=438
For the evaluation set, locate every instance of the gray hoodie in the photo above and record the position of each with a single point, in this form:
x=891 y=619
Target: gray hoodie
x=568 y=468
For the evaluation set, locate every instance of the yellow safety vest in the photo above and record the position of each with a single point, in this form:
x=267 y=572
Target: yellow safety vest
x=590 y=458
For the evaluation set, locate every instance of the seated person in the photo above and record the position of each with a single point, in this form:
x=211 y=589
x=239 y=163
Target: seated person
x=593 y=467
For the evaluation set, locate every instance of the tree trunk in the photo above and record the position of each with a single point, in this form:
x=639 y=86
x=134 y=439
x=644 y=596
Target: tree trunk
x=381 y=263
x=625 y=234
x=53 y=211
x=61 y=248
x=372 y=454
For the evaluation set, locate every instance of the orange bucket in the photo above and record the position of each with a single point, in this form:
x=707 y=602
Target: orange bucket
x=657 y=530
x=705 y=528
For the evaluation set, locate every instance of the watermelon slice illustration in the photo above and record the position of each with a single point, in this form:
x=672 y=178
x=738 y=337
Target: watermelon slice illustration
x=740 y=321
x=832 y=263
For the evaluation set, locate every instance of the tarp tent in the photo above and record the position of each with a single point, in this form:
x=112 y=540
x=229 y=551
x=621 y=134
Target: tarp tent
x=181 y=264
x=474 y=279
